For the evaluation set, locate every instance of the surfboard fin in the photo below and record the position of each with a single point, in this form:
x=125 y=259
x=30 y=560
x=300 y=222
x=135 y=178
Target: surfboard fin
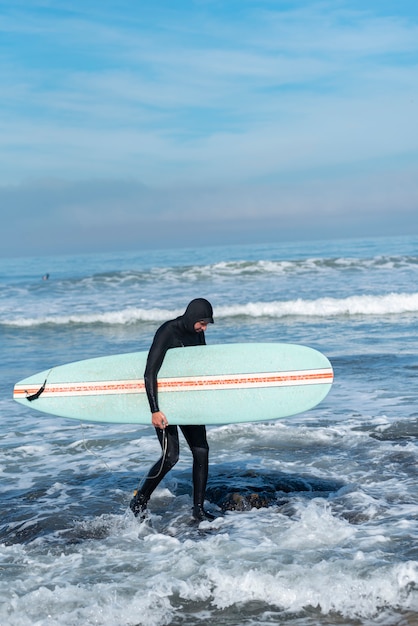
x=36 y=395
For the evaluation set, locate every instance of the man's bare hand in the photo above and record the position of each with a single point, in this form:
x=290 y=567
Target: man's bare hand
x=159 y=420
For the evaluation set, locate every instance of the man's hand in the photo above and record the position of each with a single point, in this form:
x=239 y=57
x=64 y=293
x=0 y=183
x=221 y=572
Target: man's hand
x=159 y=420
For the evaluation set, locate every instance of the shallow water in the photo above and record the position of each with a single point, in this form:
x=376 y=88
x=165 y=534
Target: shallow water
x=338 y=543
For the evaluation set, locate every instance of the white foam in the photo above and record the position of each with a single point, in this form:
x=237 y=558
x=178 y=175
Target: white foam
x=139 y=574
x=129 y=315
x=366 y=305
x=393 y=303
x=346 y=550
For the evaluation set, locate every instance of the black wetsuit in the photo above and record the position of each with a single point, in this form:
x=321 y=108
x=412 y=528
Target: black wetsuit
x=176 y=333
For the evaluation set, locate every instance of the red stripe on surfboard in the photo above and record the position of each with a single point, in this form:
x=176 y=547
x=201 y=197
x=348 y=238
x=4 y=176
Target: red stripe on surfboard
x=228 y=381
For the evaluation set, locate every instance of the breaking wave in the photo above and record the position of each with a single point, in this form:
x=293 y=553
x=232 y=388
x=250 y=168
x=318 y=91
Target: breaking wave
x=364 y=305
x=255 y=268
x=224 y=270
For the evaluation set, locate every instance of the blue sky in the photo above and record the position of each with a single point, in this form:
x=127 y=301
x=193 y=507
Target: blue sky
x=135 y=124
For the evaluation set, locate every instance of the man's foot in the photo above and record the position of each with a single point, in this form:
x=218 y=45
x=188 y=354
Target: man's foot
x=138 y=505
x=200 y=515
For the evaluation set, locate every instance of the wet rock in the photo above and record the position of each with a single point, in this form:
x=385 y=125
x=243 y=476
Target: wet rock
x=239 y=502
x=234 y=489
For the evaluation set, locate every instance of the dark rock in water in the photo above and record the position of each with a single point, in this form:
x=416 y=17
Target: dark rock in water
x=234 y=489
x=240 y=502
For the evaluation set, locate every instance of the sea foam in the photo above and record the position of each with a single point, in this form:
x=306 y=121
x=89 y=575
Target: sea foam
x=366 y=305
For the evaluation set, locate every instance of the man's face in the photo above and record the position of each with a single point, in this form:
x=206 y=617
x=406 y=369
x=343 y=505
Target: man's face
x=200 y=326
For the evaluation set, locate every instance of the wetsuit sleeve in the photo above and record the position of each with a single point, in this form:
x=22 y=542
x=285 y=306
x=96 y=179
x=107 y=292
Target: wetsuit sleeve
x=156 y=354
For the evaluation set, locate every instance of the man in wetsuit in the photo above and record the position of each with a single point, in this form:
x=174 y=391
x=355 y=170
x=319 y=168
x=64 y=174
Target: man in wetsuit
x=186 y=330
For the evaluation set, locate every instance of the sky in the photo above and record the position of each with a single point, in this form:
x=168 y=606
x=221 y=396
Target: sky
x=137 y=124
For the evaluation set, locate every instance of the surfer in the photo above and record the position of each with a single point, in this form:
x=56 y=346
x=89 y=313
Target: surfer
x=186 y=330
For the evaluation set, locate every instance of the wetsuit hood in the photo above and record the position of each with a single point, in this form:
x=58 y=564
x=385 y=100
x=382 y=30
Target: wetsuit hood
x=198 y=310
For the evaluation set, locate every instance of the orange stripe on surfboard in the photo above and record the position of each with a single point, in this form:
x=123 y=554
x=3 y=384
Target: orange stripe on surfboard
x=192 y=383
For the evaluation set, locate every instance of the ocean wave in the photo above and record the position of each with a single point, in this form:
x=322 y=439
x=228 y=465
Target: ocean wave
x=235 y=269
x=122 y=317
x=389 y=304
x=259 y=267
x=364 y=305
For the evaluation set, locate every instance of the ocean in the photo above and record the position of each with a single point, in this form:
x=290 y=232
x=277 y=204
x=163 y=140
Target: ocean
x=335 y=543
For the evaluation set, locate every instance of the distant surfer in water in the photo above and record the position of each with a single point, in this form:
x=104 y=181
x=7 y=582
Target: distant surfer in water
x=186 y=330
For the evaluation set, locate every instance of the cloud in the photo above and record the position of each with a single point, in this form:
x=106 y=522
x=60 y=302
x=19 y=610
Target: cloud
x=240 y=117
x=88 y=216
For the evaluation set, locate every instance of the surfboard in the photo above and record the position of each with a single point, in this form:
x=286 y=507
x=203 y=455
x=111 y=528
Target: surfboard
x=214 y=384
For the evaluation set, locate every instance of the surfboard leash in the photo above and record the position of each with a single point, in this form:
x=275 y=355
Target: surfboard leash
x=164 y=447
x=87 y=449
x=164 y=450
